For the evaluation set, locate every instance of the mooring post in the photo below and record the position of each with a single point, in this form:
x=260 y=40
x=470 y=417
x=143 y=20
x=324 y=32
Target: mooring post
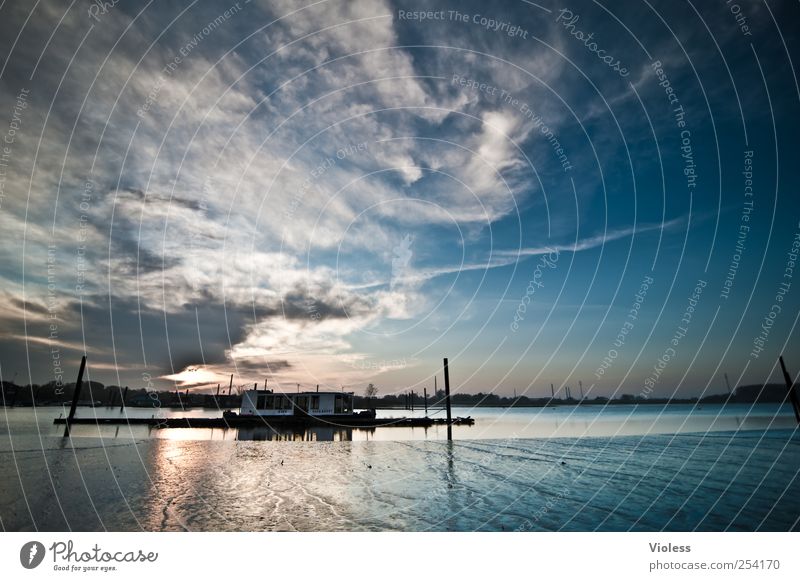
x=412 y=400
x=75 y=396
x=792 y=391
x=230 y=387
x=124 y=395
x=425 y=392
x=447 y=400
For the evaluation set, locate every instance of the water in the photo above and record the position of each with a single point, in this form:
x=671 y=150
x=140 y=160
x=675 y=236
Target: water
x=491 y=423
x=585 y=468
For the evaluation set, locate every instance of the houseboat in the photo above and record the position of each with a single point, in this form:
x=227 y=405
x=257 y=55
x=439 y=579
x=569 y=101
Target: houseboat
x=266 y=403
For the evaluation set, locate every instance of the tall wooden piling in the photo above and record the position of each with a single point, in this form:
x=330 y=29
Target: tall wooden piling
x=447 y=400
x=230 y=386
x=75 y=396
x=122 y=401
x=790 y=387
x=425 y=392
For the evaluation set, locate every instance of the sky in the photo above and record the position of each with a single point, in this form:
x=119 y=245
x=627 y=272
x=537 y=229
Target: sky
x=342 y=193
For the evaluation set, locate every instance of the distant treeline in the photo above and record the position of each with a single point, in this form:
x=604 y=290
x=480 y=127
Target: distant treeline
x=97 y=394
x=94 y=393
x=769 y=393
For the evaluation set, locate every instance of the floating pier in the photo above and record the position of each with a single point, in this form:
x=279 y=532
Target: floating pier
x=237 y=421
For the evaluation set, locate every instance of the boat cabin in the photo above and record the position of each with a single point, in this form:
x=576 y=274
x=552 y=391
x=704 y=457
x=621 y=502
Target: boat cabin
x=263 y=402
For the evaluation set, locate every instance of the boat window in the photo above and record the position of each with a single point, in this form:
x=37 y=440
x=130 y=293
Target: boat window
x=314 y=402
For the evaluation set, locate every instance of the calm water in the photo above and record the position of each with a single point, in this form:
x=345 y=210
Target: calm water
x=586 y=468
x=490 y=423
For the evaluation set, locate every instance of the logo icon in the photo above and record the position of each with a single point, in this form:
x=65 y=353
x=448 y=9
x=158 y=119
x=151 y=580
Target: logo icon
x=31 y=554
x=402 y=256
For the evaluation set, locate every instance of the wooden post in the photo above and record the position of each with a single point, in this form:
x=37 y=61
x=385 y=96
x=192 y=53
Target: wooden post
x=75 y=396
x=552 y=392
x=792 y=391
x=230 y=387
x=728 y=383
x=124 y=395
x=218 y=390
x=425 y=392
x=412 y=400
x=447 y=400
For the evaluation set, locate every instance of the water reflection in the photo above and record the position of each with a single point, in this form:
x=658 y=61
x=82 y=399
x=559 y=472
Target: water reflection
x=316 y=434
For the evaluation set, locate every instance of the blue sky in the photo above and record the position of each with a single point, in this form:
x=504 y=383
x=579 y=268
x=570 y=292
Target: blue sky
x=345 y=192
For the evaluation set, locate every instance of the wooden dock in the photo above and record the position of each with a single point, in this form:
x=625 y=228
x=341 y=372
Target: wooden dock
x=235 y=421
